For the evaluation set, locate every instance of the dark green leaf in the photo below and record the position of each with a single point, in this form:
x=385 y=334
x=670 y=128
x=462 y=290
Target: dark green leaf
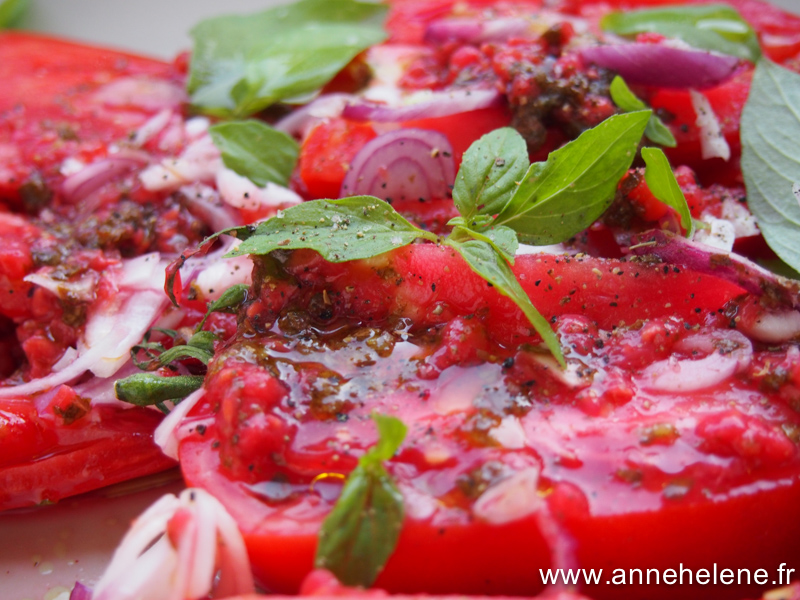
x=229 y=302
x=770 y=132
x=256 y=151
x=626 y=100
x=716 y=27
x=147 y=389
x=662 y=183
x=242 y=64
x=340 y=230
x=12 y=12
x=490 y=171
x=487 y=263
x=568 y=192
x=361 y=532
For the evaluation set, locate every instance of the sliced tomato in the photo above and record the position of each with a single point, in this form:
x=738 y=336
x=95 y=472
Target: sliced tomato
x=614 y=474
x=46 y=458
x=327 y=153
x=464 y=128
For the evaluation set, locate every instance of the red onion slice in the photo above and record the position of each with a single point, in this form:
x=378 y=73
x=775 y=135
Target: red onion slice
x=725 y=265
x=299 y=122
x=439 y=104
x=92 y=177
x=80 y=592
x=663 y=66
x=402 y=164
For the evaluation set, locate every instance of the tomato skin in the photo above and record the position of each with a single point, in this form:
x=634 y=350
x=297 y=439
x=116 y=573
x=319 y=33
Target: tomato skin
x=326 y=153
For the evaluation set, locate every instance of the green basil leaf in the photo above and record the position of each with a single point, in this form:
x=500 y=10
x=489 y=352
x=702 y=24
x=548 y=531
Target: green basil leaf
x=568 y=192
x=716 y=27
x=502 y=239
x=627 y=101
x=204 y=340
x=487 y=263
x=243 y=64
x=662 y=183
x=340 y=230
x=256 y=151
x=361 y=532
x=229 y=302
x=391 y=433
x=148 y=389
x=12 y=12
x=771 y=157
x=490 y=171
x=184 y=351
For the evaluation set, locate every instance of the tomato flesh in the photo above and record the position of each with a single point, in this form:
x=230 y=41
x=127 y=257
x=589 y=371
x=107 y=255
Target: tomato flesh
x=619 y=465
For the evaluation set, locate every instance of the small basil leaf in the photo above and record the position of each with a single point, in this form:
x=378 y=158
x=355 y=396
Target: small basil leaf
x=256 y=151
x=361 y=532
x=502 y=239
x=662 y=183
x=340 y=230
x=716 y=27
x=12 y=12
x=229 y=302
x=490 y=171
x=148 y=389
x=771 y=157
x=627 y=101
x=242 y=64
x=184 y=351
x=568 y=192
x=487 y=263
x=391 y=433
x=204 y=340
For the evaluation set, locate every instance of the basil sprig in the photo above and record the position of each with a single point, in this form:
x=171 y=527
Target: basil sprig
x=626 y=100
x=359 y=535
x=501 y=197
x=562 y=196
x=242 y=64
x=716 y=27
x=257 y=151
x=771 y=157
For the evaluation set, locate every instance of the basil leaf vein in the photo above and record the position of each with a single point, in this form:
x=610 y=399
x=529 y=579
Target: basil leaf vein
x=359 y=535
x=340 y=230
x=490 y=171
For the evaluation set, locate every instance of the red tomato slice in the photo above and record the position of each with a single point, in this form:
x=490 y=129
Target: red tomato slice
x=328 y=151
x=625 y=476
x=45 y=459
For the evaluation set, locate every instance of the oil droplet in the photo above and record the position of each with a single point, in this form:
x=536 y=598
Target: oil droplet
x=46 y=567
